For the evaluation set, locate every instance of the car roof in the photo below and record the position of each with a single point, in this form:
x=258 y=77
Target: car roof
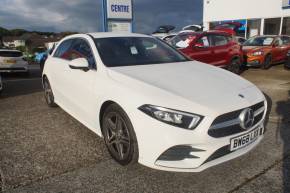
x=205 y=32
x=115 y=34
x=270 y=36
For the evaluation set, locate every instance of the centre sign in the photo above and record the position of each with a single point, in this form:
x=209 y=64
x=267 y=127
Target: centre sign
x=118 y=15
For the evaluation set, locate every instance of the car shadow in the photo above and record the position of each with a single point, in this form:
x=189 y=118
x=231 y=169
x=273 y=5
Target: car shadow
x=283 y=111
x=269 y=109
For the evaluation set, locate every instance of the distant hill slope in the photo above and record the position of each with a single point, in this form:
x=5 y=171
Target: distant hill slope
x=19 y=32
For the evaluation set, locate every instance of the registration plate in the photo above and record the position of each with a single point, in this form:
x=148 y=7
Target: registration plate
x=10 y=61
x=246 y=139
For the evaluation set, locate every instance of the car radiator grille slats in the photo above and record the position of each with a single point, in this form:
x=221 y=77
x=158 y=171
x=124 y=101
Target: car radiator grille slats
x=229 y=123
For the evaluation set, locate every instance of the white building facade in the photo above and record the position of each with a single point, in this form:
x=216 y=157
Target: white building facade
x=14 y=43
x=259 y=17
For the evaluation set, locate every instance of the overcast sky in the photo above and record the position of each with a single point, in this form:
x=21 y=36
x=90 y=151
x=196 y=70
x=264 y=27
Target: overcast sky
x=85 y=15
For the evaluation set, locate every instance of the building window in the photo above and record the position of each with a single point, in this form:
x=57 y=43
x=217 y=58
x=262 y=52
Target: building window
x=286 y=26
x=272 y=26
x=253 y=27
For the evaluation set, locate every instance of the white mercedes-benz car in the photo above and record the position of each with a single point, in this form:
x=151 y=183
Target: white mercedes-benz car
x=12 y=61
x=153 y=105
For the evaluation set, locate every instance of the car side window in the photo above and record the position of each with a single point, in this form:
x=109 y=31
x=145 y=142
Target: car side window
x=203 y=41
x=278 y=42
x=81 y=49
x=62 y=49
x=219 y=40
x=285 y=40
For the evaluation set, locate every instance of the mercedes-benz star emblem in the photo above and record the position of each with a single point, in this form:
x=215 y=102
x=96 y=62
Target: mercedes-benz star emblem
x=247 y=118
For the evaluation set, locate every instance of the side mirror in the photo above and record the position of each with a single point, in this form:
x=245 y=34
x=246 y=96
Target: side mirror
x=79 y=64
x=198 y=45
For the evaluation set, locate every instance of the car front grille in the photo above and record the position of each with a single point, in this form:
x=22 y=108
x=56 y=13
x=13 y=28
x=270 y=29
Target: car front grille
x=229 y=123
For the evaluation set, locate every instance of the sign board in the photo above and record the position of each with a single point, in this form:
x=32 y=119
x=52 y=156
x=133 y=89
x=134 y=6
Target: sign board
x=118 y=15
x=119 y=9
x=119 y=26
x=285 y=4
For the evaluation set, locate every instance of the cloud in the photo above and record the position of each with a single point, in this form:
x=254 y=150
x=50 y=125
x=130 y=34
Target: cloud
x=85 y=15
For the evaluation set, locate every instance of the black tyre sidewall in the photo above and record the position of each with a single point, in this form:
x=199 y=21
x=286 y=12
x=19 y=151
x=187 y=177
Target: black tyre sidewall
x=235 y=66
x=134 y=153
x=50 y=103
x=267 y=62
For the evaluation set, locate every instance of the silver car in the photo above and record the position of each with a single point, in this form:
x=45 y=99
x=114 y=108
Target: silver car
x=12 y=61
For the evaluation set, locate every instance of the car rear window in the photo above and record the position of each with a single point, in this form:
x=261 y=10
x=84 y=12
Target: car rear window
x=9 y=54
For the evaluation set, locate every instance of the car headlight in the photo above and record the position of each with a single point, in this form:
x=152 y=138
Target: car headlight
x=259 y=53
x=173 y=117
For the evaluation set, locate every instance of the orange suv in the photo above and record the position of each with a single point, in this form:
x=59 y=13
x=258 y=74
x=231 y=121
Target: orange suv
x=263 y=51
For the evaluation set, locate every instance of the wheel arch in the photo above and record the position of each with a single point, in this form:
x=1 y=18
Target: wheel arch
x=268 y=54
x=104 y=106
x=236 y=57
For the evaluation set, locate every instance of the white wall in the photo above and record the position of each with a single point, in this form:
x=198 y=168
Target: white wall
x=219 y=10
x=19 y=43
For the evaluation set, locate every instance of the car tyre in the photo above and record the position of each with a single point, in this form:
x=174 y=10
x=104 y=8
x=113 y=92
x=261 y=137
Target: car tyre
x=267 y=62
x=119 y=135
x=48 y=94
x=235 y=66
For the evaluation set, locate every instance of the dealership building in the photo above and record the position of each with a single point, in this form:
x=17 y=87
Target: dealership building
x=259 y=17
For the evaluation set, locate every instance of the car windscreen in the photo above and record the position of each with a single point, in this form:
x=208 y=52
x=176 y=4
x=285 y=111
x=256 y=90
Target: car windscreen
x=259 y=41
x=10 y=54
x=132 y=51
x=182 y=40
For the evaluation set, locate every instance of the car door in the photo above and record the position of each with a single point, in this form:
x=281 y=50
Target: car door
x=201 y=50
x=279 y=50
x=220 y=49
x=57 y=65
x=78 y=84
x=286 y=47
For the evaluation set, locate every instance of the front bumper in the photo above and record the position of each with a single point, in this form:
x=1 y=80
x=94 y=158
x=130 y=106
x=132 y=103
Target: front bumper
x=254 y=61
x=197 y=149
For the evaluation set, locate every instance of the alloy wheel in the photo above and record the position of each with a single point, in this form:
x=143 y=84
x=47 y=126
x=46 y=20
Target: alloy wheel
x=48 y=94
x=117 y=136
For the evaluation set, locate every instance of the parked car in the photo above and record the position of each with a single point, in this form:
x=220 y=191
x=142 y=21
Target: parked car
x=1 y=84
x=229 y=27
x=152 y=104
x=163 y=31
x=211 y=47
x=169 y=37
x=12 y=61
x=263 y=51
x=240 y=40
x=195 y=28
